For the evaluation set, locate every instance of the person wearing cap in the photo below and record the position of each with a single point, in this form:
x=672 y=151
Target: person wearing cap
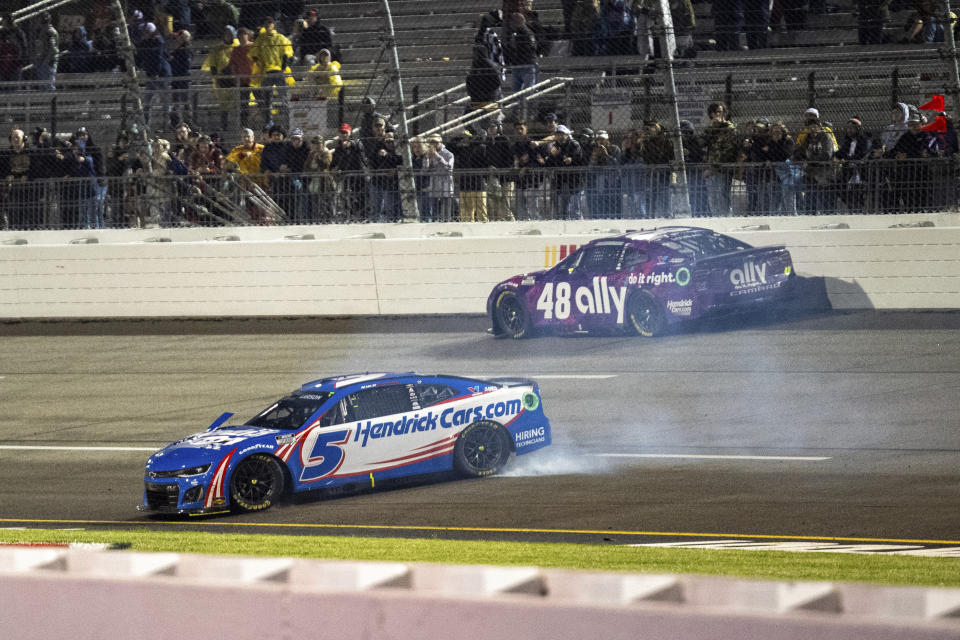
x=810 y=115
x=151 y=58
x=272 y=52
x=763 y=155
x=321 y=197
x=722 y=152
x=819 y=170
x=312 y=36
x=657 y=150
x=438 y=164
x=384 y=181
x=350 y=160
x=566 y=157
x=501 y=185
x=217 y=63
x=911 y=172
x=325 y=76
x=295 y=163
x=855 y=149
x=603 y=183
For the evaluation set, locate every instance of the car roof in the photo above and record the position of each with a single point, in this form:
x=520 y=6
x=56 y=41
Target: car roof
x=338 y=383
x=673 y=232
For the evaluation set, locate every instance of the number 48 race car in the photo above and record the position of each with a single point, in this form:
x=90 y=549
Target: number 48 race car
x=642 y=282
x=349 y=430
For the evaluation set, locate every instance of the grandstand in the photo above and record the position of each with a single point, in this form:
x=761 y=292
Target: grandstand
x=824 y=66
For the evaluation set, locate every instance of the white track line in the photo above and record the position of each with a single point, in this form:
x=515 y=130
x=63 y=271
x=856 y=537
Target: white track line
x=696 y=456
x=17 y=447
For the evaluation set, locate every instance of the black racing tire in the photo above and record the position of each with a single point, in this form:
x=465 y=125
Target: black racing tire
x=256 y=483
x=482 y=449
x=511 y=316
x=645 y=315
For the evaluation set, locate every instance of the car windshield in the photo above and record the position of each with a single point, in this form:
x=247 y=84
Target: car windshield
x=289 y=413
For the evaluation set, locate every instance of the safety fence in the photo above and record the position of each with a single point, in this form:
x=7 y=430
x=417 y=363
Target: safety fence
x=629 y=191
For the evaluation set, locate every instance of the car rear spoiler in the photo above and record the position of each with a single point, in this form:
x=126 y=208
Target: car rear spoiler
x=512 y=382
x=746 y=253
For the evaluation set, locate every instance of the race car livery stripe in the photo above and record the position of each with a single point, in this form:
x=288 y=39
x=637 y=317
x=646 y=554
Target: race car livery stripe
x=433 y=444
x=445 y=445
x=284 y=451
x=216 y=484
x=446 y=451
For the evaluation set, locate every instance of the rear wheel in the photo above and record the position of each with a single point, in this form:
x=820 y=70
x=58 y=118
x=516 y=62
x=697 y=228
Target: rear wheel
x=511 y=315
x=482 y=449
x=645 y=315
x=256 y=483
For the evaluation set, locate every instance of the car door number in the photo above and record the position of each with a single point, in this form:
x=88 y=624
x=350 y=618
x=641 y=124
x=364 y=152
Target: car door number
x=325 y=455
x=559 y=308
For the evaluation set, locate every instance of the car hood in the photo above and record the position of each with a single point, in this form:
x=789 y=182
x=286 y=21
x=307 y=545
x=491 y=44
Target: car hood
x=209 y=446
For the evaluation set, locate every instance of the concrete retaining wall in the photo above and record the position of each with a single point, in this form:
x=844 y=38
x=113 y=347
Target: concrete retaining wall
x=423 y=269
x=80 y=594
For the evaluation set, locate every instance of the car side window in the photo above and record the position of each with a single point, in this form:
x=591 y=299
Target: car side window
x=601 y=258
x=334 y=415
x=431 y=394
x=634 y=257
x=379 y=401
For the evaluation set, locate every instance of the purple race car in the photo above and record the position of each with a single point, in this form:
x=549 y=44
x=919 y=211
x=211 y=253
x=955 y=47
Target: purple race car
x=642 y=281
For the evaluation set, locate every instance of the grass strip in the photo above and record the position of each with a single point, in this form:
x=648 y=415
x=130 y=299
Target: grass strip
x=773 y=565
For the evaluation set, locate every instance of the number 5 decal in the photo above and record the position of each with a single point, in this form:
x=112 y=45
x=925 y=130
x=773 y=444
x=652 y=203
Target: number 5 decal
x=325 y=455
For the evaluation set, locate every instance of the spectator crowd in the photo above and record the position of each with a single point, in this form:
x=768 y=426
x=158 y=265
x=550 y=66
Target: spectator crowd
x=495 y=170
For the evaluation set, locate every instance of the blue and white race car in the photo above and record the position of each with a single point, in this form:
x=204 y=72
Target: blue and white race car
x=348 y=430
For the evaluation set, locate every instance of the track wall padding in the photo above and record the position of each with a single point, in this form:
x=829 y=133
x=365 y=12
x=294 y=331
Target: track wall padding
x=262 y=272
x=80 y=594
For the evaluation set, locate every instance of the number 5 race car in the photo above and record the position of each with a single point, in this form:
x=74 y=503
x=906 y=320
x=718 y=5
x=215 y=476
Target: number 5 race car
x=349 y=430
x=642 y=282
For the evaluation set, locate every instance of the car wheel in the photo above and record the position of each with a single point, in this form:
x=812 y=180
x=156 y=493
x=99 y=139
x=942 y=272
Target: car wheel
x=511 y=315
x=645 y=315
x=256 y=483
x=482 y=449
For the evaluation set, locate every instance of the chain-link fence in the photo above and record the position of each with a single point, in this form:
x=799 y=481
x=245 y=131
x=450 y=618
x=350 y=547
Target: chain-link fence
x=224 y=112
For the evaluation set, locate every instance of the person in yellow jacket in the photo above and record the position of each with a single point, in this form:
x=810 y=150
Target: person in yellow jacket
x=218 y=64
x=245 y=157
x=812 y=116
x=272 y=52
x=325 y=76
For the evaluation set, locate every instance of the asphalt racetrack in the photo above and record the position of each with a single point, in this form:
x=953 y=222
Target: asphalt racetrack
x=823 y=426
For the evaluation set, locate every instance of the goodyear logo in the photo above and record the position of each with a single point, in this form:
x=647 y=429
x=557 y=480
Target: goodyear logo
x=446 y=419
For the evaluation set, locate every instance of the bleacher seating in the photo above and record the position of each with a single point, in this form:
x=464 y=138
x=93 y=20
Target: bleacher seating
x=434 y=43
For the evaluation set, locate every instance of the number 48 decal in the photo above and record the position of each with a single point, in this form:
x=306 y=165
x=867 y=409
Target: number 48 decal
x=559 y=307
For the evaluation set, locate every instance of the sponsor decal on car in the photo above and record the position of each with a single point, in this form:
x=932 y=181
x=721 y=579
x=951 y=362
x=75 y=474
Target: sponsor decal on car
x=557 y=302
x=654 y=279
x=218 y=440
x=529 y=437
x=680 y=307
x=752 y=275
x=449 y=417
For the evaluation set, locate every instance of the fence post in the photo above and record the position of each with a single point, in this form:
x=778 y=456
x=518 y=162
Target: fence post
x=416 y=111
x=812 y=89
x=728 y=92
x=53 y=116
x=895 y=87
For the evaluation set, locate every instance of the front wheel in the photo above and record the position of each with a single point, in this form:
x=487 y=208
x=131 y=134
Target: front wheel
x=511 y=316
x=482 y=449
x=645 y=315
x=256 y=483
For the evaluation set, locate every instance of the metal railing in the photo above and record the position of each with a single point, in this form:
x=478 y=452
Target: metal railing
x=632 y=191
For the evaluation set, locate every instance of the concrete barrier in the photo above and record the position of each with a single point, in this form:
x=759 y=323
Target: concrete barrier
x=50 y=593
x=865 y=262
